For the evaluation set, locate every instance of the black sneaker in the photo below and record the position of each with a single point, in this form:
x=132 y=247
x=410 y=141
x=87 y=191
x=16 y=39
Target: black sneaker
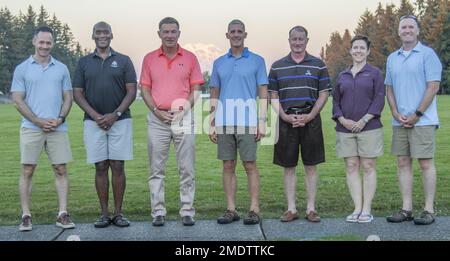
x=425 y=218
x=158 y=221
x=228 y=217
x=252 y=218
x=400 y=216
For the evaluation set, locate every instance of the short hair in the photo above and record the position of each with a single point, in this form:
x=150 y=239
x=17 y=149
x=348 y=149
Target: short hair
x=100 y=24
x=169 y=20
x=411 y=17
x=298 y=28
x=361 y=37
x=236 y=21
x=45 y=29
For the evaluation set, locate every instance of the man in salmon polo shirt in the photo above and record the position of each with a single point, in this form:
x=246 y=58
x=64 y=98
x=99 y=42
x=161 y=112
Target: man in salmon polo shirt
x=170 y=81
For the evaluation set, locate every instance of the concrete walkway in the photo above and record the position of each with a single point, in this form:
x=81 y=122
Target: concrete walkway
x=209 y=230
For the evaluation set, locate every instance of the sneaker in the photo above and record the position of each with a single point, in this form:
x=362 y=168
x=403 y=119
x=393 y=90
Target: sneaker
x=353 y=217
x=228 y=217
x=158 y=221
x=26 y=224
x=400 y=216
x=288 y=216
x=312 y=216
x=64 y=221
x=425 y=218
x=252 y=218
x=187 y=221
x=365 y=218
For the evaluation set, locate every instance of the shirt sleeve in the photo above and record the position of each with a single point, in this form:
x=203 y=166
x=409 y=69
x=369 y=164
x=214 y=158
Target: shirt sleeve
x=66 y=83
x=78 y=78
x=196 y=73
x=337 y=112
x=130 y=73
x=324 y=79
x=261 y=74
x=433 y=67
x=377 y=105
x=388 y=78
x=146 y=78
x=214 y=82
x=18 y=82
x=273 y=80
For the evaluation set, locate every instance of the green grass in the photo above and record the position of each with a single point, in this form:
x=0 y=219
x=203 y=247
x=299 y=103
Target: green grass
x=333 y=196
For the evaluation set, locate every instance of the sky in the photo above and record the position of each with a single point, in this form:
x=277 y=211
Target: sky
x=203 y=23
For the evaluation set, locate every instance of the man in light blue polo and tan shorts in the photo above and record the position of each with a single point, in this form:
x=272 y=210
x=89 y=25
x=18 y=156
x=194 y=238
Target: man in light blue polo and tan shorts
x=413 y=74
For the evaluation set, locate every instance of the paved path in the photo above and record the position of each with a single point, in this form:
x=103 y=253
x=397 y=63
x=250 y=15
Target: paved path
x=209 y=230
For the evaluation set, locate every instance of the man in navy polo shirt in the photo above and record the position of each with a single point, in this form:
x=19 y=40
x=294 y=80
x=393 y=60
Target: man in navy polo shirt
x=104 y=88
x=299 y=87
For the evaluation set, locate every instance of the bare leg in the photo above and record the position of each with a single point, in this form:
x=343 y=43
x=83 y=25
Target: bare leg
x=25 y=184
x=405 y=178
x=253 y=184
x=429 y=182
x=118 y=184
x=102 y=185
x=354 y=182
x=311 y=178
x=230 y=183
x=290 y=184
x=370 y=182
x=62 y=185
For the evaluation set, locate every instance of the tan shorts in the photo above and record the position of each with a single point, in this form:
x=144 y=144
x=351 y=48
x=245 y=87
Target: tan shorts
x=418 y=142
x=366 y=144
x=56 y=144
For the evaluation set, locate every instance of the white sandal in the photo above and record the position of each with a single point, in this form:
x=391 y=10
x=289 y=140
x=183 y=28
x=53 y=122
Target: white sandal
x=353 y=217
x=365 y=218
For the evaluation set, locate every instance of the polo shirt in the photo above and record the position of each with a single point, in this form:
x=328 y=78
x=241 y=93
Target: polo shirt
x=298 y=84
x=170 y=80
x=354 y=97
x=104 y=81
x=238 y=79
x=408 y=75
x=43 y=89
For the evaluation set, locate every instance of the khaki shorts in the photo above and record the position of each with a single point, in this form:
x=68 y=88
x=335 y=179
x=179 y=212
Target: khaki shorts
x=366 y=144
x=236 y=138
x=418 y=142
x=56 y=144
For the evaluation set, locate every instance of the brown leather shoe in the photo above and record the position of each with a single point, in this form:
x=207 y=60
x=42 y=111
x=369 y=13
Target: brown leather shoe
x=312 y=216
x=288 y=216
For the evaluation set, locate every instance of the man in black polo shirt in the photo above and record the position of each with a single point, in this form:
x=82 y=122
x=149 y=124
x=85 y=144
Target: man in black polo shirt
x=299 y=85
x=104 y=87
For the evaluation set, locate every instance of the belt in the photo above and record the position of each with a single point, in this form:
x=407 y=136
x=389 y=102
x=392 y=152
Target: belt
x=297 y=110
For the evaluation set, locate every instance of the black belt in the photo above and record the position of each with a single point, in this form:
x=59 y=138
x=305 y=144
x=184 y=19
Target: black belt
x=298 y=110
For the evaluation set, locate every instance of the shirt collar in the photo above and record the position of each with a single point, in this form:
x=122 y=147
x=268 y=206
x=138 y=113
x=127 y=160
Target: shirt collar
x=365 y=68
x=52 y=60
x=111 y=52
x=245 y=53
x=180 y=51
x=417 y=48
x=289 y=59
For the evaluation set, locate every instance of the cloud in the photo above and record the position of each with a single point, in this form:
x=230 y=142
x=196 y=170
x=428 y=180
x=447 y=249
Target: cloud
x=206 y=54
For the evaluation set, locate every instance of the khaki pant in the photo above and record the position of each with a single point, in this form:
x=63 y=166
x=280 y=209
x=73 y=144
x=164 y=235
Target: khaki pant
x=160 y=136
x=418 y=142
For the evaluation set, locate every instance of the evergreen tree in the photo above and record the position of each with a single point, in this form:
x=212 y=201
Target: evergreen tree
x=445 y=56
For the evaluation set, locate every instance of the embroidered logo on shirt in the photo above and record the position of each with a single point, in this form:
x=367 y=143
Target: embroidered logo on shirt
x=308 y=73
x=114 y=64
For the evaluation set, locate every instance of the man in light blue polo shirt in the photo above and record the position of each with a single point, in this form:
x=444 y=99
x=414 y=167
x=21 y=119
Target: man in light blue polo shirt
x=237 y=78
x=42 y=93
x=413 y=74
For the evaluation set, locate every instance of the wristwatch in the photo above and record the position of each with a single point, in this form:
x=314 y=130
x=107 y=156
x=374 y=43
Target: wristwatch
x=63 y=119
x=118 y=114
x=365 y=120
x=419 y=113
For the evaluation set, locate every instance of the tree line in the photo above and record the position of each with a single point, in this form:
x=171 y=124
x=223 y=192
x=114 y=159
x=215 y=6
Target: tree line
x=16 y=33
x=382 y=29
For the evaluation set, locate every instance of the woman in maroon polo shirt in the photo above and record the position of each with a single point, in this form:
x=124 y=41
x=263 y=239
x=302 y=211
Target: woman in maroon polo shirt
x=358 y=101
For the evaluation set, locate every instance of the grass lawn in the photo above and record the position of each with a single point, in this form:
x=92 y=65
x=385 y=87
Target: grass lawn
x=333 y=197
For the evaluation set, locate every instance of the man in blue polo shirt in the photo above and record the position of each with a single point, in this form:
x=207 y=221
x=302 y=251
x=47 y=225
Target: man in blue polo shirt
x=42 y=93
x=104 y=88
x=299 y=87
x=237 y=78
x=413 y=74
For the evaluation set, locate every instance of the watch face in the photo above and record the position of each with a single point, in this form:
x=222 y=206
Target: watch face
x=118 y=114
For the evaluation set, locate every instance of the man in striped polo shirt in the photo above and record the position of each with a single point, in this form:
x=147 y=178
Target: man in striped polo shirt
x=299 y=85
